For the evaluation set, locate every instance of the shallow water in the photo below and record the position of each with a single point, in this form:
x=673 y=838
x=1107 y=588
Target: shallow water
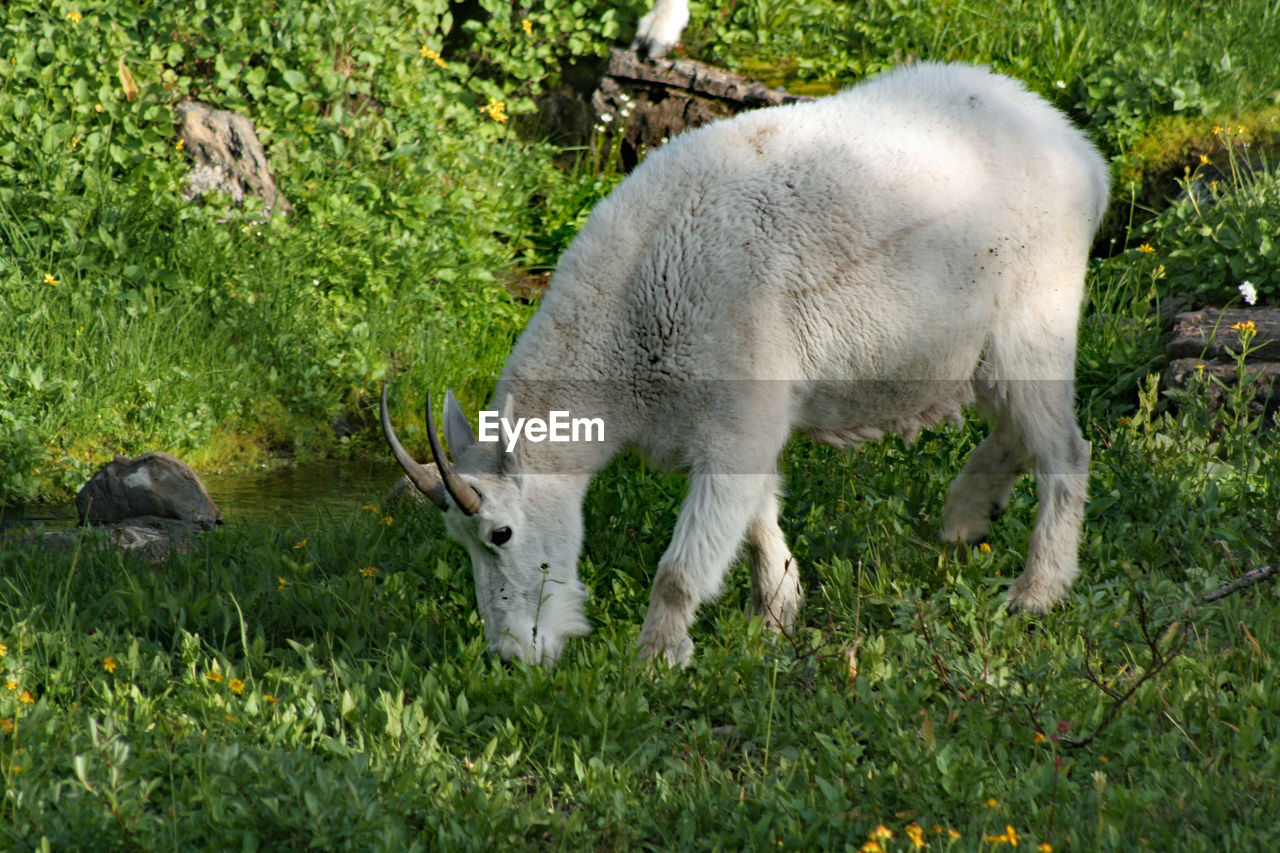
x=300 y=493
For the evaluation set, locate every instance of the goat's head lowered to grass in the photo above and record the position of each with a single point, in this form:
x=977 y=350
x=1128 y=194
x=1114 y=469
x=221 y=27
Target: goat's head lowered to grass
x=866 y=263
x=524 y=535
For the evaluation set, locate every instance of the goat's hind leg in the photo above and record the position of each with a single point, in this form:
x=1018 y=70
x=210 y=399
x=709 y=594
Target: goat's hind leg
x=982 y=490
x=1042 y=414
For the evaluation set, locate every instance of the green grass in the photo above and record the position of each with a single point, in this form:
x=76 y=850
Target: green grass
x=131 y=320
x=371 y=716
x=268 y=691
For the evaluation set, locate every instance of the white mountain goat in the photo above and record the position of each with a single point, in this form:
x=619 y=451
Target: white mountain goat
x=660 y=29
x=864 y=263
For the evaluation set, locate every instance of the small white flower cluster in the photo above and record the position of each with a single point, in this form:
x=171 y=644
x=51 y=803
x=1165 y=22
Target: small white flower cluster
x=1248 y=292
x=623 y=113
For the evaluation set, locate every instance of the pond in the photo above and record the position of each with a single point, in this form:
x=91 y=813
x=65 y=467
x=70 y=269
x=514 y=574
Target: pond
x=298 y=493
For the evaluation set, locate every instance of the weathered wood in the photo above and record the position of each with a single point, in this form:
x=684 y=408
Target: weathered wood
x=652 y=100
x=227 y=157
x=707 y=81
x=1199 y=358
x=1207 y=333
x=1182 y=372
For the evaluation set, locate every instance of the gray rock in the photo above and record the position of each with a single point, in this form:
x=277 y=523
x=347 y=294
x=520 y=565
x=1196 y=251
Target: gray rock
x=152 y=540
x=154 y=485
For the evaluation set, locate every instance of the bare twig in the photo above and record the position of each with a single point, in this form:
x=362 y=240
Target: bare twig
x=1248 y=579
x=1160 y=659
x=940 y=667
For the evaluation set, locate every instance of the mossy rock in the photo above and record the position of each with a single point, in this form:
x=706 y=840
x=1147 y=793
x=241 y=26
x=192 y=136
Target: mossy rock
x=1177 y=148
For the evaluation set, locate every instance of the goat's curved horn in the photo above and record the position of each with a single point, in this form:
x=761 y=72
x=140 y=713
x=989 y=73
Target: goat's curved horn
x=420 y=475
x=466 y=497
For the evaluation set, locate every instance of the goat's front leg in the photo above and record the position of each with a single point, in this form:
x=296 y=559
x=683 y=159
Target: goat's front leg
x=775 y=580
x=712 y=521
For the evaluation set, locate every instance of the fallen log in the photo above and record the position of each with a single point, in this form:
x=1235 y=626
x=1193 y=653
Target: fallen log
x=1204 y=349
x=1207 y=333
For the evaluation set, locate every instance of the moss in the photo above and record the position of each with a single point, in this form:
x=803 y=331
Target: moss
x=1174 y=145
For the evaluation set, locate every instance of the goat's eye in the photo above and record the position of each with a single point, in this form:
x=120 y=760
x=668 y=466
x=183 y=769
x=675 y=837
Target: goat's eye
x=500 y=535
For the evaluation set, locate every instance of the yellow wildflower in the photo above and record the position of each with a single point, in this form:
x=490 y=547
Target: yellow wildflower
x=4 y=650
x=871 y=846
x=182 y=143
x=283 y=583
x=1146 y=249
x=953 y=835
x=881 y=833
x=1240 y=128
x=428 y=53
x=371 y=508
x=302 y=544
x=269 y=699
x=109 y=664
x=1200 y=368
x=496 y=110
x=386 y=519
x=997 y=839
x=50 y=279
x=1011 y=835
x=992 y=803
x=74 y=17
x=11 y=684
x=1204 y=159
x=368 y=571
x=916 y=834
x=984 y=547
x=236 y=686
x=1037 y=738
x=215 y=677
x=527 y=26
x=1217 y=128
x=1246 y=327
x=26 y=698
x=6 y=726
x=1044 y=847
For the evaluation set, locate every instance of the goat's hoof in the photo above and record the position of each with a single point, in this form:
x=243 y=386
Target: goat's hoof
x=966 y=531
x=1035 y=594
x=678 y=652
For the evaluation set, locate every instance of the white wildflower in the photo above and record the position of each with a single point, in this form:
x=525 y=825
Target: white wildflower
x=1249 y=292
x=1061 y=84
x=606 y=118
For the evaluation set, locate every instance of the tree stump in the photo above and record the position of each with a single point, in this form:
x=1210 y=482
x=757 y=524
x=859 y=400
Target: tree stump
x=1200 y=344
x=652 y=100
x=227 y=157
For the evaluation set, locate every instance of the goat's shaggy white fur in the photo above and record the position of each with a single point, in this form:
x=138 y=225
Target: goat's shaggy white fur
x=865 y=263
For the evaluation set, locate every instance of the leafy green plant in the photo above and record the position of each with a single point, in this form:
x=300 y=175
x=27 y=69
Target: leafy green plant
x=1222 y=231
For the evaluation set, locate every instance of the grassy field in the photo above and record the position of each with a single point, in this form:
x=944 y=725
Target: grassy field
x=324 y=685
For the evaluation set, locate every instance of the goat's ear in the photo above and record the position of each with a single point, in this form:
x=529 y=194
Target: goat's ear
x=456 y=429
x=509 y=463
